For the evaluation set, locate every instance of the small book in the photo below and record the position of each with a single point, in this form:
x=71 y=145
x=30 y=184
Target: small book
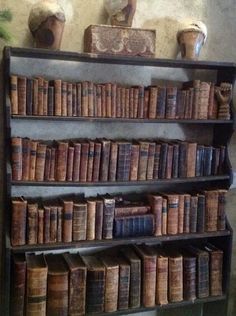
x=151 y=158
x=19 y=285
x=40 y=95
x=29 y=96
x=84 y=161
x=64 y=100
x=22 y=86
x=35 y=96
x=193 y=213
x=77 y=159
x=18 y=221
x=181 y=214
x=99 y=219
x=153 y=91
x=163 y=160
x=90 y=161
x=113 y=161
x=40 y=226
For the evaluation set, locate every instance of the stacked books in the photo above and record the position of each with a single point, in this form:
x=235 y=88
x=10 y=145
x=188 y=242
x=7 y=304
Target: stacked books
x=86 y=160
x=106 y=217
x=38 y=96
x=117 y=279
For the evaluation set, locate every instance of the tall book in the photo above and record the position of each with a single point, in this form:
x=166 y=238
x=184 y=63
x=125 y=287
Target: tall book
x=67 y=216
x=79 y=222
x=211 y=210
x=134 y=162
x=16 y=158
x=57 y=97
x=108 y=216
x=172 y=215
x=105 y=159
x=191 y=159
x=21 y=85
x=203 y=100
x=161 y=103
x=18 y=221
x=40 y=162
x=162 y=277
x=32 y=222
x=14 y=94
x=155 y=202
x=61 y=166
x=193 y=213
x=99 y=219
x=91 y=216
x=221 y=221
x=201 y=213
x=19 y=285
x=123 y=161
x=171 y=100
x=33 y=151
x=152 y=102
x=189 y=276
x=143 y=160
x=175 y=276
x=124 y=283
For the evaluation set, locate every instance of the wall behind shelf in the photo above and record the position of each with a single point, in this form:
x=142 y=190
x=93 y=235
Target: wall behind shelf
x=165 y=17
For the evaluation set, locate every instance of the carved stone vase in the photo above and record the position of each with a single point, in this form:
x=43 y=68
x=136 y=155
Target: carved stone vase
x=46 y=23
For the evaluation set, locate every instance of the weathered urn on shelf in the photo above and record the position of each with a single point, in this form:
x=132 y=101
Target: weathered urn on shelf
x=121 y=12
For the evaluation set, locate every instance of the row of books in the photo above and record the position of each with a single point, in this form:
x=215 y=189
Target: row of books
x=117 y=279
x=38 y=96
x=106 y=217
x=88 y=160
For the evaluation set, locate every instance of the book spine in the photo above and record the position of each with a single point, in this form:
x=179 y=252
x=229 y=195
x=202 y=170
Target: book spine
x=221 y=222
x=108 y=218
x=77 y=292
x=29 y=96
x=134 y=162
x=191 y=159
x=53 y=224
x=201 y=214
x=50 y=101
x=69 y=99
x=189 y=278
x=171 y=99
x=84 y=106
x=127 y=105
x=47 y=164
x=149 y=270
x=18 y=222
x=136 y=100
x=193 y=214
x=90 y=161
x=90 y=98
x=61 y=166
x=67 y=221
x=216 y=269
x=40 y=95
x=175 y=279
x=76 y=164
x=96 y=162
x=183 y=160
x=118 y=102
x=52 y=165
x=99 y=220
x=172 y=218
x=152 y=103
x=124 y=284
x=146 y=103
x=113 y=100
x=169 y=162
x=131 y=102
x=21 y=83
x=203 y=276
x=79 y=99
x=14 y=94
x=25 y=158
x=163 y=160
x=108 y=99
x=45 y=97
x=16 y=157
x=74 y=100
x=181 y=214
x=111 y=289
x=95 y=291
x=161 y=103
x=164 y=216
x=196 y=96
x=70 y=163
x=91 y=214
x=135 y=284
x=46 y=224
x=19 y=285
x=187 y=204
x=59 y=224
x=105 y=158
x=35 y=96
x=143 y=161
x=215 y=161
x=32 y=224
x=79 y=222
x=156 y=209
x=40 y=226
x=57 y=96
x=113 y=161
x=156 y=161
x=151 y=158
x=99 y=100
x=103 y=97
x=40 y=162
x=211 y=210
x=162 y=281
x=64 y=99
x=84 y=162
x=124 y=160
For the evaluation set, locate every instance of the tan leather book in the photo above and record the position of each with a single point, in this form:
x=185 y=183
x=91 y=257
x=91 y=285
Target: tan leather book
x=99 y=219
x=53 y=223
x=91 y=215
x=123 y=92
x=169 y=162
x=79 y=99
x=74 y=99
x=108 y=99
x=211 y=210
x=69 y=99
x=35 y=96
x=57 y=95
x=90 y=99
x=45 y=97
x=118 y=102
x=108 y=216
x=131 y=209
x=18 y=221
x=61 y=159
x=195 y=84
x=79 y=220
x=189 y=276
x=103 y=97
x=21 y=85
x=98 y=100
x=127 y=101
x=77 y=160
x=33 y=150
x=187 y=205
x=143 y=160
x=181 y=214
x=203 y=100
x=67 y=219
x=146 y=103
x=113 y=161
x=36 y=293
x=152 y=102
x=40 y=95
x=134 y=162
x=175 y=276
x=14 y=94
x=171 y=101
x=25 y=158
x=105 y=159
x=16 y=158
x=124 y=282
x=191 y=159
x=59 y=223
x=40 y=162
x=151 y=159
x=90 y=161
x=32 y=222
x=18 y=285
x=96 y=161
x=172 y=213
x=164 y=216
x=84 y=98
x=64 y=98
x=46 y=224
x=47 y=164
x=40 y=226
x=70 y=163
x=212 y=109
x=136 y=96
x=84 y=161
x=131 y=102
x=77 y=283
x=156 y=202
x=52 y=171
x=112 y=282
x=58 y=285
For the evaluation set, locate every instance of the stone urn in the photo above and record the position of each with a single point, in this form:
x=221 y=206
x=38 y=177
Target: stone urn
x=46 y=23
x=121 y=12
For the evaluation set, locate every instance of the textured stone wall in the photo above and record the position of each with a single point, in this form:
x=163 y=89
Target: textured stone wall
x=164 y=16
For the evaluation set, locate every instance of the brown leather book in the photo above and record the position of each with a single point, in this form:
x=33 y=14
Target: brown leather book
x=151 y=158
x=113 y=161
x=140 y=101
x=58 y=285
x=103 y=97
x=95 y=286
x=136 y=97
x=61 y=159
x=18 y=285
x=74 y=99
x=52 y=165
x=108 y=216
x=99 y=100
x=134 y=162
x=46 y=224
x=190 y=103
x=21 y=85
x=149 y=269
x=32 y=222
x=172 y=213
x=171 y=101
x=76 y=164
x=69 y=99
x=84 y=98
x=127 y=100
x=18 y=221
x=211 y=209
x=45 y=97
x=195 y=84
x=212 y=111
x=187 y=205
x=64 y=99
x=156 y=161
x=77 y=283
x=124 y=283
x=122 y=105
x=40 y=162
x=113 y=99
x=143 y=160
x=40 y=95
x=175 y=276
x=161 y=102
x=131 y=209
x=187 y=104
x=169 y=163
x=191 y=159
x=16 y=158
x=105 y=159
x=96 y=161
x=152 y=102
x=14 y=94
x=29 y=96
x=79 y=220
x=40 y=226
x=59 y=223
x=47 y=164
x=203 y=100
x=181 y=214
x=70 y=163
x=36 y=284
x=131 y=102
x=53 y=223
x=33 y=150
x=35 y=96
x=112 y=282
x=91 y=215
x=146 y=103
x=164 y=216
x=221 y=222
x=84 y=161
x=90 y=98
x=79 y=99
x=155 y=202
x=193 y=213
x=215 y=269
x=118 y=102
x=90 y=161
x=108 y=99
x=189 y=276
x=57 y=96
x=99 y=219
x=67 y=219
x=25 y=158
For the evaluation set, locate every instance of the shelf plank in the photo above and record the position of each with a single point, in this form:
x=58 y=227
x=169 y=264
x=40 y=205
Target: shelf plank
x=117 y=242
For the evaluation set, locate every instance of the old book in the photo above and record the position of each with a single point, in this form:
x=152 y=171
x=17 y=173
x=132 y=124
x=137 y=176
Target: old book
x=196 y=89
x=136 y=98
x=46 y=224
x=95 y=284
x=164 y=216
x=211 y=209
x=35 y=96
x=212 y=111
x=64 y=98
x=69 y=109
x=175 y=276
x=201 y=213
x=32 y=222
x=191 y=159
x=45 y=97
x=14 y=94
x=181 y=214
x=18 y=221
x=172 y=216
x=96 y=161
x=99 y=219
x=203 y=100
x=29 y=96
x=187 y=206
x=40 y=162
x=133 y=226
x=162 y=276
x=193 y=213
x=191 y=100
x=113 y=161
x=58 y=285
x=70 y=163
x=90 y=161
x=161 y=103
x=183 y=101
x=134 y=162
x=189 y=276
x=163 y=160
x=124 y=282
x=207 y=162
x=135 y=276
x=84 y=106
x=36 y=291
x=112 y=283
x=146 y=103
x=52 y=168
x=103 y=96
x=221 y=169
x=74 y=99
x=131 y=102
x=108 y=99
x=59 y=222
x=140 y=101
x=118 y=102
x=178 y=104
x=67 y=219
x=171 y=100
x=199 y=160
x=77 y=159
x=105 y=159
x=19 y=285
x=127 y=103
x=98 y=100
x=108 y=216
x=77 y=283
x=153 y=90
x=40 y=95
x=61 y=158
x=47 y=164
x=155 y=202
x=151 y=158
x=40 y=236
x=25 y=158
x=16 y=158
x=21 y=85
x=57 y=96
x=113 y=99
x=215 y=161
x=90 y=98
x=187 y=105
x=79 y=222
x=123 y=161
x=169 y=162
x=53 y=223
x=84 y=161
x=91 y=215
x=130 y=209
x=143 y=160
x=221 y=221
x=79 y=99
x=183 y=155
x=156 y=161
x=149 y=274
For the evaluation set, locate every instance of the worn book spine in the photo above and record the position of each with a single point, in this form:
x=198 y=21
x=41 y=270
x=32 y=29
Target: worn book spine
x=124 y=285
x=21 y=84
x=52 y=165
x=221 y=221
x=183 y=153
x=40 y=162
x=97 y=160
x=70 y=163
x=151 y=158
x=74 y=100
x=187 y=205
x=201 y=213
x=172 y=217
x=193 y=214
x=90 y=161
x=123 y=161
x=91 y=214
x=18 y=222
x=46 y=224
x=29 y=96
x=25 y=158
x=14 y=94
x=124 y=210
x=32 y=223
x=203 y=100
x=45 y=97
x=16 y=158
x=215 y=161
x=189 y=278
x=84 y=161
x=140 y=101
x=163 y=160
x=108 y=99
x=161 y=103
x=191 y=159
x=156 y=161
x=99 y=100
x=35 y=96
x=57 y=96
x=99 y=220
x=19 y=285
x=64 y=98
x=118 y=102
x=113 y=99
x=186 y=108
x=131 y=102
x=69 y=109
x=103 y=100
x=155 y=202
x=113 y=161
x=79 y=99
x=40 y=237
x=50 y=101
x=196 y=89
x=127 y=104
x=108 y=217
x=169 y=162
x=212 y=114
x=146 y=103
x=61 y=166
x=203 y=275
x=134 y=162
x=105 y=158
x=90 y=98
x=162 y=280
x=211 y=210
x=40 y=95
x=175 y=278
x=67 y=221
x=53 y=224
x=79 y=222
x=171 y=100
x=152 y=102
x=84 y=105
x=111 y=288
x=199 y=161
x=216 y=270
x=181 y=214
x=47 y=164
x=222 y=160
x=59 y=223
x=131 y=226
x=76 y=164
x=136 y=97
x=143 y=160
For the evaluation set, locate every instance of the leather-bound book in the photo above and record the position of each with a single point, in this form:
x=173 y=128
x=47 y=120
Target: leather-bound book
x=164 y=216
x=74 y=99
x=191 y=159
x=45 y=97
x=123 y=161
x=156 y=161
x=90 y=161
x=181 y=214
x=69 y=99
x=127 y=102
x=199 y=160
x=16 y=158
x=47 y=164
x=169 y=163
x=40 y=162
x=53 y=224
x=212 y=112
x=191 y=100
x=140 y=101
x=118 y=102
x=58 y=285
x=90 y=98
x=67 y=219
x=151 y=158
x=91 y=214
x=77 y=283
x=105 y=159
x=29 y=96
x=59 y=222
x=202 y=258
x=108 y=216
x=113 y=99
x=161 y=103
x=57 y=96
x=18 y=221
x=136 y=99
x=183 y=154
x=25 y=158
x=96 y=161
x=79 y=220
x=171 y=101
x=181 y=104
x=201 y=213
x=40 y=226
x=211 y=210
x=40 y=95
x=14 y=94
x=131 y=209
x=124 y=282
x=108 y=99
x=203 y=100
x=131 y=102
x=99 y=219
x=208 y=151
x=95 y=284
x=155 y=202
x=172 y=213
x=187 y=105
x=143 y=160
x=64 y=99
x=162 y=276
x=113 y=161
x=46 y=224
x=98 y=100
x=84 y=92
x=222 y=160
x=70 y=163
x=163 y=160
x=103 y=96
x=21 y=85
x=146 y=103
x=79 y=99
x=36 y=293
x=32 y=222
x=135 y=276
x=193 y=213
x=19 y=285
x=76 y=164
x=52 y=165
x=152 y=102
x=187 y=206
x=215 y=269
x=149 y=273
x=134 y=162
x=62 y=155
x=175 y=276
x=215 y=161
x=178 y=103
x=196 y=88
x=221 y=222
x=112 y=283
x=35 y=96
x=189 y=276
